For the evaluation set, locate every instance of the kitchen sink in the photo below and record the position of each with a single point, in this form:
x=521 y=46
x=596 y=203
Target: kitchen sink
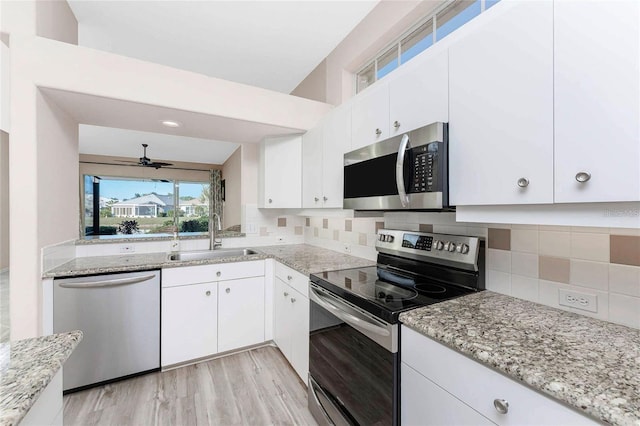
x=211 y=254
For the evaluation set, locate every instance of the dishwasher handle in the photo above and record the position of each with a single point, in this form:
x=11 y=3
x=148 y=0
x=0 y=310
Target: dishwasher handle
x=108 y=283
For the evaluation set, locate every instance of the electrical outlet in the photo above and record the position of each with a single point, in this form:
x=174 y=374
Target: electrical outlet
x=129 y=248
x=347 y=248
x=576 y=300
x=280 y=239
x=252 y=228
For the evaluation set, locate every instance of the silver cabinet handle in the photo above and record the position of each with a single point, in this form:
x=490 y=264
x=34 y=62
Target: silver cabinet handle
x=293 y=300
x=286 y=294
x=378 y=132
x=208 y=293
x=228 y=290
x=402 y=193
x=270 y=201
x=108 y=283
x=501 y=405
x=396 y=124
x=289 y=277
x=324 y=198
x=523 y=182
x=583 y=177
x=316 y=199
x=218 y=273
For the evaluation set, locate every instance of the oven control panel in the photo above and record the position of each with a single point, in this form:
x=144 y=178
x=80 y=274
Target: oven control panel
x=428 y=246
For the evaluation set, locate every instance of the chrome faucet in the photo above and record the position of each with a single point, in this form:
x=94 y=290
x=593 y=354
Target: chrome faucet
x=212 y=232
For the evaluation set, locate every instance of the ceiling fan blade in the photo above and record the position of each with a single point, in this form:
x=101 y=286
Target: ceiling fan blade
x=159 y=164
x=127 y=161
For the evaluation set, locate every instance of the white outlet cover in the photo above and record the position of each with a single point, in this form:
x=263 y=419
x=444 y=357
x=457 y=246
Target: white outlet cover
x=577 y=300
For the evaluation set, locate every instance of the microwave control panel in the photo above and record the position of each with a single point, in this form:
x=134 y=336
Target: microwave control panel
x=425 y=176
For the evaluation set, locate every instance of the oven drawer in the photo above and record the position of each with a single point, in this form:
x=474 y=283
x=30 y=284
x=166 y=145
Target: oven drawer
x=294 y=278
x=478 y=386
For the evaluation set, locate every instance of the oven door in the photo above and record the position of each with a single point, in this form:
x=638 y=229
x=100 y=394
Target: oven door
x=353 y=363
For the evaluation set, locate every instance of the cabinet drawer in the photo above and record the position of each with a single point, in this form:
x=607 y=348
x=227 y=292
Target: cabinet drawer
x=479 y=386
x=185 y=275
x=294 y=278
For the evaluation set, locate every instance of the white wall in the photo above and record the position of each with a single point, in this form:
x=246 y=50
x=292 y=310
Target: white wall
x=383 y=24
x=55 y=20
x=4 y=200
x=232 y=176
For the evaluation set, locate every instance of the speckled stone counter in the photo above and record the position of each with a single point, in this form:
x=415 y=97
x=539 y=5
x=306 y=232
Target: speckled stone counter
x=589 y=364
x=33 y=364
x=304 y=258
x=308 y=259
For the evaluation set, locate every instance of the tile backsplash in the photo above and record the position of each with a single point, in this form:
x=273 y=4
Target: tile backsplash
x=534 y=262
x=525 y=261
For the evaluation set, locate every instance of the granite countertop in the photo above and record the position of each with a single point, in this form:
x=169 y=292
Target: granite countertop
x=32 y=365
x=308 y=259
x=137 y=238
x=301 y=257
x=589 y=364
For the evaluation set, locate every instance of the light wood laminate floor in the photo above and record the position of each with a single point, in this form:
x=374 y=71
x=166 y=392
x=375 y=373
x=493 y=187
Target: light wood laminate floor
x=256 y=387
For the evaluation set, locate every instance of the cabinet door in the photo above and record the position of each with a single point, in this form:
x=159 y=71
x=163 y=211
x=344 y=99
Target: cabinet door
x=420 y=96
x=240 y=313
x=189 y=323
x=337 y=141
x=370 y=116
x=281 y=164
x=283 y=324
x=425 y=403
x=597 y=107
x=312 y=161
x=501 y=108
x=300 y=334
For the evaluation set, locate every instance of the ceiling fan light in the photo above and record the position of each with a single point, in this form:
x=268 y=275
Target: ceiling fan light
x=171 y=123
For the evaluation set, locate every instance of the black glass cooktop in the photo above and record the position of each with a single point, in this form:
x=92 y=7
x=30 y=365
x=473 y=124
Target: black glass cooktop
x=384 y=292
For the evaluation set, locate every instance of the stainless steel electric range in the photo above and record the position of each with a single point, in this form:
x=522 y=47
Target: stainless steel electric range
x=354 y=359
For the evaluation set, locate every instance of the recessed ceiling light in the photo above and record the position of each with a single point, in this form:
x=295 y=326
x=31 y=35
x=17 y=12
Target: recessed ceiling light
x=171 y=123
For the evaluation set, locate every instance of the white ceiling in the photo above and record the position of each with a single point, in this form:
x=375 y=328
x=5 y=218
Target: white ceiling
x=269 y=44
x=128 y=143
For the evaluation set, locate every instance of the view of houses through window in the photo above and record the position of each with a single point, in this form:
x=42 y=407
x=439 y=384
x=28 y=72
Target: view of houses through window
x=123 y=206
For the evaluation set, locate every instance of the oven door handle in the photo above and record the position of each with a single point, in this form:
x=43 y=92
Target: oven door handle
x=402 y=192
x=333 y=306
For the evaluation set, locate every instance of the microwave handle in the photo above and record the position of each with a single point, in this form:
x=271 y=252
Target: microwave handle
x=402 y=192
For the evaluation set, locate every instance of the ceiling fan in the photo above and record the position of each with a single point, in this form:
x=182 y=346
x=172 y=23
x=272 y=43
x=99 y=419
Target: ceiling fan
x=146 y=161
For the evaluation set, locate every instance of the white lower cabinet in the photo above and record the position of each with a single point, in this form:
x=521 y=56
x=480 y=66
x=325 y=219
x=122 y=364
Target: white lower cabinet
x=48 y=408
x=240 y=313
x=189 y=322
x=424 y=402
x=209 y=309
x=440 y=386
x=291 y=323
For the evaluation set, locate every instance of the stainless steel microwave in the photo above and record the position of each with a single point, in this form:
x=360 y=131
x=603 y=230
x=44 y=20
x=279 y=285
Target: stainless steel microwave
x=406 y=172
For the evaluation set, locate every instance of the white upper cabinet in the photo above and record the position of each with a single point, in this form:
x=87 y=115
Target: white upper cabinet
x=280 y=176
x=597 y=101
x=323 y=149
x=312 y=163
x=336 y=141
x=501 y=108
x=370 y=116
x=419 y=95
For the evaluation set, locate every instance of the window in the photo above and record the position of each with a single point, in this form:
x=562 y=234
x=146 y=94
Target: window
x=144 y=207
x=448 y=18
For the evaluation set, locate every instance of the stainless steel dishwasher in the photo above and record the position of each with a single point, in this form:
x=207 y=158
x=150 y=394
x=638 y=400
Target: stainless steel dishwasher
x=119 y=315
